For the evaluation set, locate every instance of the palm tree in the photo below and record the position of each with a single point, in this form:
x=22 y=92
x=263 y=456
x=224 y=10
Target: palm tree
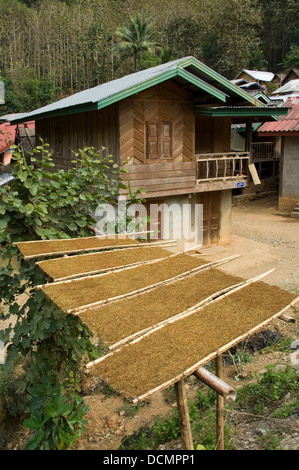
x=135 y=39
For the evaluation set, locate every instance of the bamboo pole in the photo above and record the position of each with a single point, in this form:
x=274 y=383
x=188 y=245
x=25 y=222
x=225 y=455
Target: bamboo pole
x=220 y=406
x=217 y=384
x=184 y=418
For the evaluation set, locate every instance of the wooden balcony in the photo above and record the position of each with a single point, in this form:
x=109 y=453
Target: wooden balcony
x=263 y=151
x=226 y=168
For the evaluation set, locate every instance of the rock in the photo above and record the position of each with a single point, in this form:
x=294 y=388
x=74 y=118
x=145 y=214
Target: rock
x=112 y=421
x=295 y=358
x=295 y=344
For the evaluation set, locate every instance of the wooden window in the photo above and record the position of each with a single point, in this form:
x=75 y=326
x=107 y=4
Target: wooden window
x=159 y=136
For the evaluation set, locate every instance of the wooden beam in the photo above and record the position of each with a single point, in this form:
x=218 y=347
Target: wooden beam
x=220 y=406
x=184 y=418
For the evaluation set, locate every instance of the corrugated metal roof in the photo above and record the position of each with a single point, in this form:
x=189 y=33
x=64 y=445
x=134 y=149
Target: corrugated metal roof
x=288 y=123
x=188 y=69
x=290 y=87
x=260 y=75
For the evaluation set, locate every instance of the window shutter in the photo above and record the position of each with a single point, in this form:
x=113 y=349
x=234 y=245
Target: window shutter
x=165 y=139
x=152 y=139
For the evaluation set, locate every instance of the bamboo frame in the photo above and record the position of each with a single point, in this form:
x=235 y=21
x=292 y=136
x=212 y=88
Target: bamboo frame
x=78 y=310
x=217 y=296
x=97 y=248
x=121 y=268
x=184 y=314
x=112 y=269
x=99 y=271
x=180 y=315
x=203 y=361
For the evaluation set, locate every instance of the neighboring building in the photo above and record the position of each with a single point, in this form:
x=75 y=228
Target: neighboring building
x=7 y=139
x=293 y=74
x=11 y=134
x=267 y=80
x=263 y=151
x=173 y=122
x=285 y=134
x=289 y=90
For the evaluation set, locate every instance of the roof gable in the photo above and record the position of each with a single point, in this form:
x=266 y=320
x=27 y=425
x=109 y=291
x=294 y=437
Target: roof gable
x=187 y=70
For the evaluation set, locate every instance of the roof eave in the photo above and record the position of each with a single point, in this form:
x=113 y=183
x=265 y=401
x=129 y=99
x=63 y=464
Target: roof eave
x=241 y=112
x=221 y=80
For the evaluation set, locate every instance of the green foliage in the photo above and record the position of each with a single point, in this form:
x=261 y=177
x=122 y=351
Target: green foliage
x=292 y=59
x=42 y=203
x=270 y=441
x=269 y=389
x=135 y=40
x=56 y=416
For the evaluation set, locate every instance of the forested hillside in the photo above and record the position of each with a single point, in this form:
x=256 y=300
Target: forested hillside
x=52 y=48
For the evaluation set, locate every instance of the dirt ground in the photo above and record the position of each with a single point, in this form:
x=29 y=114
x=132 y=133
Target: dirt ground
x=264 y=239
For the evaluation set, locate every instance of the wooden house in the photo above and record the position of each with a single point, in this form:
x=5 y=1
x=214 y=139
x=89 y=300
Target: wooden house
x=173 y=122
x=293 y=74
x=268 y=80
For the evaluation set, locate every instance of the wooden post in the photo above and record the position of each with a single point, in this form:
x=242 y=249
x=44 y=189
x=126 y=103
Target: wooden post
x=184 y=419
x=220 y=407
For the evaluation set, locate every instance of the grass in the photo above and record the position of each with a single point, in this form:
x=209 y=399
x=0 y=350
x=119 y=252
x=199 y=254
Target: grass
x=269 y=389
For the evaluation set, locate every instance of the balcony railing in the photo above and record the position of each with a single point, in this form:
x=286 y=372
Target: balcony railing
x=262 y=151
x=222 y=166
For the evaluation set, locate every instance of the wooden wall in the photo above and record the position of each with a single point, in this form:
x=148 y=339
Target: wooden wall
x=76 y=131
x=212 y=135
x=166 y=102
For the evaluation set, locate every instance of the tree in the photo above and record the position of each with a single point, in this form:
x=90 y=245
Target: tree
x=292 y=59
x=135 y=40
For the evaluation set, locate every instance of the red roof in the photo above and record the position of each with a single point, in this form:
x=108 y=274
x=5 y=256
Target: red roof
x=288 y=123
x=7 y=134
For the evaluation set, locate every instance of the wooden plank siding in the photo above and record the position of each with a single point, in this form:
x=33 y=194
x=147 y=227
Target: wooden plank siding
x=121 y=129
x=162 y=103
x=76 y=131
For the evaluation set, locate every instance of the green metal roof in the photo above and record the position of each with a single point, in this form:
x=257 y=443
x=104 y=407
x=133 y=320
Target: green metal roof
x=187 y=70
x=242 y=111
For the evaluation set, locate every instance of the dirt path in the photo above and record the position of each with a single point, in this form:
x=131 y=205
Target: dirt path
x=265 y=239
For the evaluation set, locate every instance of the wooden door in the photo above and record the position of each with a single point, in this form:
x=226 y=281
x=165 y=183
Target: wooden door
x=211 y=217
x=155 y=222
